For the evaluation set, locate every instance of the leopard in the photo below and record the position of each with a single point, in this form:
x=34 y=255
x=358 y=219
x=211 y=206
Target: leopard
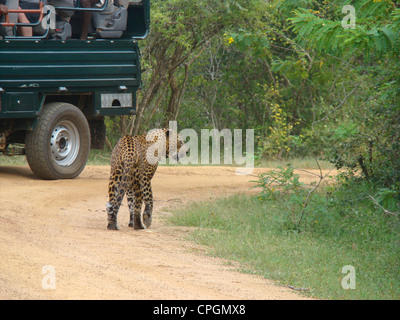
x=134 y=161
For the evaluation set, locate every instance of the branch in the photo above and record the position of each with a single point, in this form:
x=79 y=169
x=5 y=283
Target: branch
x=321 y=178
x=108 y=143
x=180 y=94
x=396 y=214
x=337 y=107
x=298 y=289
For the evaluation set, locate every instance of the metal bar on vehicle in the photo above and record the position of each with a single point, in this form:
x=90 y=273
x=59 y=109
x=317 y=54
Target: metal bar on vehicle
x=99 y=9
x=43 y=14
x=40 y=11
x=18 y=24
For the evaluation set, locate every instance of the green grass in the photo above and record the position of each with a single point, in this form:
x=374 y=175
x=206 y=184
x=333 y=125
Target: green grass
x=96 y=158
x=99 y=158
x=13 y=161
x=102 y=158
x=301 y=163
x=256 y=234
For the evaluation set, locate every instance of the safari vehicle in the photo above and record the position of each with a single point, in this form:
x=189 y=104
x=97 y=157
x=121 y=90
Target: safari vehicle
x=55 y=89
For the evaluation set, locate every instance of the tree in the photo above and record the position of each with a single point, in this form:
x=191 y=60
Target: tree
x=181 y=30
x=366 y=137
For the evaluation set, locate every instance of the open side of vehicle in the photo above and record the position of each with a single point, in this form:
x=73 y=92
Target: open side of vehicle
x=55 y=90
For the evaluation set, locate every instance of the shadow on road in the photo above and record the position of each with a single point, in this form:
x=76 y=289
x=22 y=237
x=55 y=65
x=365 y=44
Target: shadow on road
x=21 y=171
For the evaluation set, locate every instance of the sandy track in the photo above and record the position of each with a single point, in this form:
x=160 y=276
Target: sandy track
x=63 y=224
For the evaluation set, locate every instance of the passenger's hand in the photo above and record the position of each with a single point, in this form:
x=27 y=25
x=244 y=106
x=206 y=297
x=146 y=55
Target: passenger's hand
x=3 y=9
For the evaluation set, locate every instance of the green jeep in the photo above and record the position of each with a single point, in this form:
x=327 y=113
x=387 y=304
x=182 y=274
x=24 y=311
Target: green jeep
x=55 y=89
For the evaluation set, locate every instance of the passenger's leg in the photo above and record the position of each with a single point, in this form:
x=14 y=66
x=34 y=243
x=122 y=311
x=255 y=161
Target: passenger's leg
x=24 y=31
x=86 y=17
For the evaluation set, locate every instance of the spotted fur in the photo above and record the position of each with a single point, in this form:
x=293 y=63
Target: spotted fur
x=134 y=162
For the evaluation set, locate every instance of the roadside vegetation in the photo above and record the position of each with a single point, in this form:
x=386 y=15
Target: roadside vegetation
x=304 y=246
x=320 y=80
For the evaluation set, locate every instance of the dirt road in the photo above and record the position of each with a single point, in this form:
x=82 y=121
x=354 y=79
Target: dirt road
x=61 y=225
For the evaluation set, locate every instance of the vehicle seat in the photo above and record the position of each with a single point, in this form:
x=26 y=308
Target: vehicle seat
x=63 y=28
x=63 y=14
x=110 y=23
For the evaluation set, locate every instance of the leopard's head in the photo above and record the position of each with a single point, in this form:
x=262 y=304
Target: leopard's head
x=165 y=143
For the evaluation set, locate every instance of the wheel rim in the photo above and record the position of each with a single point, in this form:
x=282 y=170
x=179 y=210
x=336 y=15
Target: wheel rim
x=65 y=143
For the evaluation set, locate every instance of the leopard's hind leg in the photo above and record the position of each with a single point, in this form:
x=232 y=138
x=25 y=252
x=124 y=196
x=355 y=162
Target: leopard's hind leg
x=145 y=186
x=116 y=190
x=135 y=200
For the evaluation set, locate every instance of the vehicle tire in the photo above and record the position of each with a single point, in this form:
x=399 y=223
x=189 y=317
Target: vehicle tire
x=58 y=147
